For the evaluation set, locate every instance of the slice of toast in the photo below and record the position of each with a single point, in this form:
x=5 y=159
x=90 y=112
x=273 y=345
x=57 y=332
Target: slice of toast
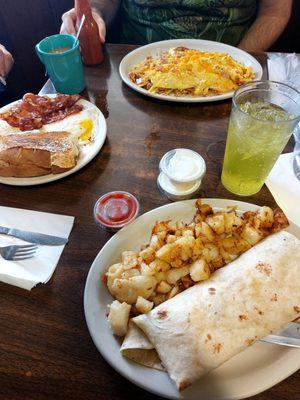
x=34 y=154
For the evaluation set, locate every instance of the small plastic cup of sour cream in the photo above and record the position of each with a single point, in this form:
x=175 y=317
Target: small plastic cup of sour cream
x=181 y=173
x=114 y=210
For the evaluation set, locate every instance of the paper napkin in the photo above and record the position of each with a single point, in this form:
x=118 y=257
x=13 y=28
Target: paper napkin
x=285 y=187
x=39 y=269
x=284 y=67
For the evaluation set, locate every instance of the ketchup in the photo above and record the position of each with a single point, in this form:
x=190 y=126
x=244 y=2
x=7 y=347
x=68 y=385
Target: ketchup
x=115 y=210
x=90 y=44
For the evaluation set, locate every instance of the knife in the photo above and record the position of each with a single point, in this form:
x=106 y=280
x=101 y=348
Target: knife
x=289 y=336
x=34 y=237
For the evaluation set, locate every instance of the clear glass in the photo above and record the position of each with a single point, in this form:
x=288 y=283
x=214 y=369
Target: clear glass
x=296 y=161
x=263 y=117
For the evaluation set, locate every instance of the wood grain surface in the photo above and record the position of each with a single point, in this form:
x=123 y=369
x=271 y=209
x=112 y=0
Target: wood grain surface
x=45 y=348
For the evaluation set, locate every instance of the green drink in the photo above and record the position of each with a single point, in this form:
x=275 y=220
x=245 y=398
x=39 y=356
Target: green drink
x=261 y=124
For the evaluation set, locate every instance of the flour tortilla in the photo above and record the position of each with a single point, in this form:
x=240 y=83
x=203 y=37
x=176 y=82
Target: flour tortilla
x=204 y=326
x=137 y=347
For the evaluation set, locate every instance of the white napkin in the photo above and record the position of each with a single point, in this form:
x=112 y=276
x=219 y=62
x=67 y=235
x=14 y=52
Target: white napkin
x=282 y=182
x=285 y=187
x=284 y=67
x=39 y=269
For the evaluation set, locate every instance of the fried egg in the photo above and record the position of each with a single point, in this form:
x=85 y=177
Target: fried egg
x=83 y=125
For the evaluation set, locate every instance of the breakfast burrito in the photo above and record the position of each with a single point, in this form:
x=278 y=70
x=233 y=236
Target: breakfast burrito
x=207 y=324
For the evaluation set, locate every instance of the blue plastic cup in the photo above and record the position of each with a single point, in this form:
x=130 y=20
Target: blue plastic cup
x=64 y=68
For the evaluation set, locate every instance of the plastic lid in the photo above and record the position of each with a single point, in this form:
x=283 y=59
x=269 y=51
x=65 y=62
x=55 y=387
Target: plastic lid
x=168 y=186
x=173 y=192
x=115 y=210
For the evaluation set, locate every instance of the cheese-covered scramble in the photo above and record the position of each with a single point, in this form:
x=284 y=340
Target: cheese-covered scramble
x=189 y=72
x=181 y=255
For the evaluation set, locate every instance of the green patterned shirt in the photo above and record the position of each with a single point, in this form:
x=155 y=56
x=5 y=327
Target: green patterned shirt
x=146 y=21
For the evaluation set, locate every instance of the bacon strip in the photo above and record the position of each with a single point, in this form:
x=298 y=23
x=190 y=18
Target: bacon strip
x=34 y=111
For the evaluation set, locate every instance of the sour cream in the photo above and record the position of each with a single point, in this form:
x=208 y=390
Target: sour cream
x=181 y=173
x=184 y=166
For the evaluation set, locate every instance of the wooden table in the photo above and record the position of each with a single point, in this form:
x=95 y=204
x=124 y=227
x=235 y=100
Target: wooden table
x=45 y=348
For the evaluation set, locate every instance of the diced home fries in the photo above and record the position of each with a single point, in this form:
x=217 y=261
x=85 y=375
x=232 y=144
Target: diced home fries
x=143 y=306
x=118 y=317
x=178 y=256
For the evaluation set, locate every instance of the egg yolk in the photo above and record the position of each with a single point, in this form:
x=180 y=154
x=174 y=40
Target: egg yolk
x=87 y=127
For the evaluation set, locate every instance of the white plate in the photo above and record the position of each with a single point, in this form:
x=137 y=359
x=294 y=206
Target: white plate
x=153 y=49
x=86 y=154
x=256 y=369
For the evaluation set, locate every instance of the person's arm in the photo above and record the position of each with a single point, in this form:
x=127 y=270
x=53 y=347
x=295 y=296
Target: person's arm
x=6 y=61
x=107 y=9
x=272 y=18
x=103 y=13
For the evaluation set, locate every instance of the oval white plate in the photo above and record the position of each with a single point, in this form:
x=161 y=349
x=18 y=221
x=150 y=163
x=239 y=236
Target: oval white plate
x=153 y=49
x=86 y=154
x=254 y=370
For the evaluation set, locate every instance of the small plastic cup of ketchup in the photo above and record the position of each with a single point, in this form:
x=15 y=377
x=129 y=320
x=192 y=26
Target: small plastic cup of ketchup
x=114 y=210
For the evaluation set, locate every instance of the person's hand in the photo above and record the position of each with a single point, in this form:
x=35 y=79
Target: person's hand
x=6 y=61
x=69 y=23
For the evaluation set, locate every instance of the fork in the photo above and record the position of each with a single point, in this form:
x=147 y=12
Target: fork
x=18 y=252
